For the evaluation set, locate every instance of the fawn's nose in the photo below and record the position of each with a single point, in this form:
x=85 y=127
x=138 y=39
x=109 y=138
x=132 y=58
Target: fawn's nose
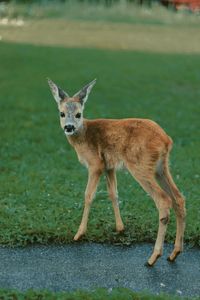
x=69 y=128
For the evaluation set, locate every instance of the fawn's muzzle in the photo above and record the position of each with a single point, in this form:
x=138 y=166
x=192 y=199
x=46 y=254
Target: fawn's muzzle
x=69 y=128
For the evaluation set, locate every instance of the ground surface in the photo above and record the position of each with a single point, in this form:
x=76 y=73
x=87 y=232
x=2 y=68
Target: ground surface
x=86 y=266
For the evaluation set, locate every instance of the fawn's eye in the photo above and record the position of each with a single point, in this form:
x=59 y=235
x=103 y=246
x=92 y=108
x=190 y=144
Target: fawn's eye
x=78 y=115
x=62 y=114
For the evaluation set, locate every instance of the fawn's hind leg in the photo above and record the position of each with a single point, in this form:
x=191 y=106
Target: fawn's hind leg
x=166 y=181
x=112 y=190
x=163 y=204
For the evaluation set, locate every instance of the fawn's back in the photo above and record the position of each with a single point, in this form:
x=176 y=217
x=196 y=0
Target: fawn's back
x=113 y=143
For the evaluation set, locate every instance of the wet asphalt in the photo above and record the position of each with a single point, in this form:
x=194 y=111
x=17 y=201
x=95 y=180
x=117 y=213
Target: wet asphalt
x=87 y=266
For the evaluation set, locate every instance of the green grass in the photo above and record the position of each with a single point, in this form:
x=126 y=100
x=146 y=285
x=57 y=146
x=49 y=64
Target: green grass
x=42 y=183
x=99 y=294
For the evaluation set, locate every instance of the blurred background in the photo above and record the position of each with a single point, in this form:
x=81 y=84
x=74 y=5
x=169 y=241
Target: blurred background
x=149 y=25
x=145 y=55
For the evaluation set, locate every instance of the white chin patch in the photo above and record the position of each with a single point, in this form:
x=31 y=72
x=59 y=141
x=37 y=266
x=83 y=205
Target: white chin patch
x=69 y=133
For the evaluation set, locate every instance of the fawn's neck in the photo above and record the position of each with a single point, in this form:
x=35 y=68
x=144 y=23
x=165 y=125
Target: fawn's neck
x=79 y=137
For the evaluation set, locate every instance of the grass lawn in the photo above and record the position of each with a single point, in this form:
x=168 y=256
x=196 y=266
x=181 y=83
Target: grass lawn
x=99 y=294
x=42 y=182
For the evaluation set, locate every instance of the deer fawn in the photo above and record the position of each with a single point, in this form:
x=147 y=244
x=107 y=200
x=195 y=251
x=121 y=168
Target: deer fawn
x=140 y=145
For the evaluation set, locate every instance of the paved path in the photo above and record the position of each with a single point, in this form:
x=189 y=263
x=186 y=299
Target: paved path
x=88 y=266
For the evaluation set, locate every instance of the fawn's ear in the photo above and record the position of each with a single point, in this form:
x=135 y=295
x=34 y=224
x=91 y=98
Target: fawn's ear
x=84 y=92
x=58 y=94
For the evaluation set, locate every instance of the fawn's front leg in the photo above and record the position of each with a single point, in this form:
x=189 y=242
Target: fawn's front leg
x=112 y=190
x=93 y=179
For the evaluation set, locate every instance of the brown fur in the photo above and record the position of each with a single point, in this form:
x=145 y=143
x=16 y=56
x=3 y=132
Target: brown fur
x=140 y=145
x=110 y=142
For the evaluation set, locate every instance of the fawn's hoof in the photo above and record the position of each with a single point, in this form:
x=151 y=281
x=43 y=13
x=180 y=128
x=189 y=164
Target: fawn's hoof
x=152 y=260
x=120 y=228
x=173 y=256
x=79 y=235
x=147 y=264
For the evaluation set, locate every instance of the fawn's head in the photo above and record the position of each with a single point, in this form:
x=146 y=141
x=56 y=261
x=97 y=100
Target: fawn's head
x=71 y=108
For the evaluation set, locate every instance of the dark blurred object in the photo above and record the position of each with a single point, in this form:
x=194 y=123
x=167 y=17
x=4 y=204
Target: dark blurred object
x=105 y=2
x=192 y=5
